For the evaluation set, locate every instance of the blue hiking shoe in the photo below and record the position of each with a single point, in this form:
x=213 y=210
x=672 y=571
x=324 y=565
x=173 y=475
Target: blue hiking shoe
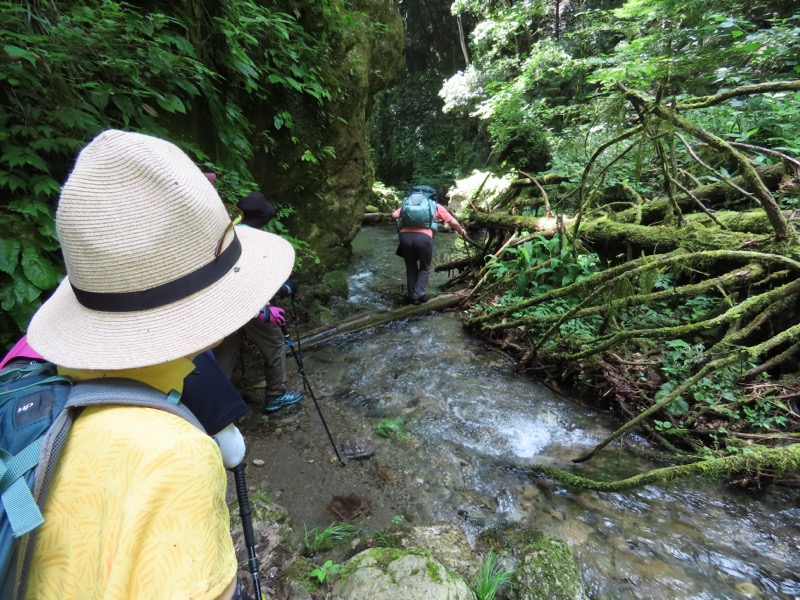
x=271 y=404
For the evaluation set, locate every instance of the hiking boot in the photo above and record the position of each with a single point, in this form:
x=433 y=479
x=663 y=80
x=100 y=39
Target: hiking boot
x=273 y=403
x=420 y=300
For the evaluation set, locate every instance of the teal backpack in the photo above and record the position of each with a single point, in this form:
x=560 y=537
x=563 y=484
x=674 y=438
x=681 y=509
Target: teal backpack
x=37 y=408
x=419 y=208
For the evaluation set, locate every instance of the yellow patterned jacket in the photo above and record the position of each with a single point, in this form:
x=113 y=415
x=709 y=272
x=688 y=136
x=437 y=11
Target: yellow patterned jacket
x=137 y=506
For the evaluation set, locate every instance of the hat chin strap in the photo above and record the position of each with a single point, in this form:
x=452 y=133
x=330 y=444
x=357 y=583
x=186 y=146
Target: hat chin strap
x=166 y=293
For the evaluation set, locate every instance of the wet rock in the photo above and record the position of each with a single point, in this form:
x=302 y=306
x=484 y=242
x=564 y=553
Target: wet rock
x=358 y=448
x=276 y=544
x=390 y=574
x=446 y=543
x=748 y=590
x=529 y=492
x=547 y=570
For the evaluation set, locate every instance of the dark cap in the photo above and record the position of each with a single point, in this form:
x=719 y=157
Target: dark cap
x=257 y=211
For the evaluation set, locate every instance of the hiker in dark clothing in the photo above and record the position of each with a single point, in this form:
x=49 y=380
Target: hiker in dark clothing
x=263 y=330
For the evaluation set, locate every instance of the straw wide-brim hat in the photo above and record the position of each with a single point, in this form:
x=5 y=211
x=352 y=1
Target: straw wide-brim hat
x=155 y=269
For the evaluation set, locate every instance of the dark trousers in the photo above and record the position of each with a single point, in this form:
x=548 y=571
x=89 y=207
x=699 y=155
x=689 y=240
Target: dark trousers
x=270 y=343
x=416 y=249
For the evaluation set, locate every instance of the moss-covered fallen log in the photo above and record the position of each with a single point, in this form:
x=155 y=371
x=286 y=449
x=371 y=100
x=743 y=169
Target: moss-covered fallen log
x=320 y=335
x=748 y=307
x=595 y=284
x=712 y=195
x=597 y=306
x=753 y=182
x=755 y=462
x=745 y=221
x=614 y=237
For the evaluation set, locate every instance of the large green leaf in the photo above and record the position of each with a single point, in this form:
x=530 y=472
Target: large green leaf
x=22 y=313
x=21 y=292
x=9 y=255
x=38 y=269
x=20 y=53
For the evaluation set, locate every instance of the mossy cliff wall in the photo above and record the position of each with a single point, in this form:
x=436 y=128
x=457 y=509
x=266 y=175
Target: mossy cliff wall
x=329 y=197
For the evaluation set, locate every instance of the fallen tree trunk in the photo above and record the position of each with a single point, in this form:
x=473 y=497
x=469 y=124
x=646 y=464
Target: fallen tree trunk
x=713 y=195
x=760 y=460
x=321 y=335
x=615 y=237
x=376 y=218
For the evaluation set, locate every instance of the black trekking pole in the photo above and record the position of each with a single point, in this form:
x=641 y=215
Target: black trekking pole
x=307 y=386
x=247 y=525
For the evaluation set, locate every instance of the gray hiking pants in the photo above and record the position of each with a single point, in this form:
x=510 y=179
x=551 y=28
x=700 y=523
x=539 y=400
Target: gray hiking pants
x=270 y=343
x=416 y=249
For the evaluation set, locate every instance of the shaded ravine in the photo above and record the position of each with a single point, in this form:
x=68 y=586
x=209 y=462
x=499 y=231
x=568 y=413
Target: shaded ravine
x=472 y=420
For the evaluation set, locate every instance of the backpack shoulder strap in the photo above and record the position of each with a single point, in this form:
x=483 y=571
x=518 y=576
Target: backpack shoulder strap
x=116 y=391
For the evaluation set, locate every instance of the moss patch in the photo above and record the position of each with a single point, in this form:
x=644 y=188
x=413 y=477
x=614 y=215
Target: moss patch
x=508 y=538
x=547 y=571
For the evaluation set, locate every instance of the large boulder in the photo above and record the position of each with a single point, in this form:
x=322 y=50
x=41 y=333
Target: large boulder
x=445 y=541
x=391 y=574
x=547 y=571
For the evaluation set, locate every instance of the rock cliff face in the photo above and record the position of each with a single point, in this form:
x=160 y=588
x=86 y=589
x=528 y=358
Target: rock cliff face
x=329 y=196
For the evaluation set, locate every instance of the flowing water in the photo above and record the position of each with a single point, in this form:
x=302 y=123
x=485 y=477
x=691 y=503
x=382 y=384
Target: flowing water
x=474 y=424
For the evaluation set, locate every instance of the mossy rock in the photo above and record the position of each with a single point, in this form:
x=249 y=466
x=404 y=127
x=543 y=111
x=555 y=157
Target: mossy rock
x=508 y=538
x=337 y=282
x=316 y=298
x=297 y=579
x=445 y=541
x=392 y=574
x=333 y=283
x=547 y=571
x=273 y=536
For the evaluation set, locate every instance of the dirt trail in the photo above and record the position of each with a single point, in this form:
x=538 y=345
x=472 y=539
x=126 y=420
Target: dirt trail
x=300 y=470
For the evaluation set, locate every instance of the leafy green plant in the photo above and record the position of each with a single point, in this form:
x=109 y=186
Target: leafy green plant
x=719 y=390
x=761 y=414
x=391 y=428
x=70 y=70
x=391 y=536
x=541 y=264
x=489 y=578
x=326 y=571
x=324 y=539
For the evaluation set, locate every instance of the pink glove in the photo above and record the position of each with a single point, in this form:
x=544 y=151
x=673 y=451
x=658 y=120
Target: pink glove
x=276 y=316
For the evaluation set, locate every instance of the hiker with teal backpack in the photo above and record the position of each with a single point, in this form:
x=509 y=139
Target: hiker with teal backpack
x=134 y=504
x=417 y=222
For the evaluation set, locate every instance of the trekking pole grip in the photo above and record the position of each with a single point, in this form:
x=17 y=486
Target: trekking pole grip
x=245 y=512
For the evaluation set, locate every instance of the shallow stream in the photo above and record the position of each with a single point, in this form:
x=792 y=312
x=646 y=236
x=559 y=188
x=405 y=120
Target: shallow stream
x=474 y=424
